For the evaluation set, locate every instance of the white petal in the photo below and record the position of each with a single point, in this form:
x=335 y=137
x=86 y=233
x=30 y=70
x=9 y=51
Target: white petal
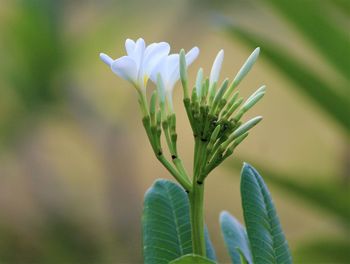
x=154 y=53
x=164 y=68
x=157 y=69
x=130 y=46
x=173 y=70
x=125 y=67
x=156 y=48
x=192 y=55
x=172 y=65
x=174 y=74
x=168 y=68
x=138 y=52
x=216 y=68
x=149 y=50
x=106 y=59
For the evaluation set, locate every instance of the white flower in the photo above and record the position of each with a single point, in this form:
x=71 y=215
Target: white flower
x=140 y=61
x=215 y=69
x=169 y=71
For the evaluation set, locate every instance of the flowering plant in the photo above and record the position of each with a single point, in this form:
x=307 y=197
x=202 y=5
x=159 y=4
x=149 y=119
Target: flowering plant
x=174 y=230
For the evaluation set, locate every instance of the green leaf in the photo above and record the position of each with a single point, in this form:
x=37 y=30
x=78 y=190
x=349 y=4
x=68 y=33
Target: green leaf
x=235 y=237
x=192 y=259
x=267 y=241
x=315 y=193
x=166 y=223
x=209 y=246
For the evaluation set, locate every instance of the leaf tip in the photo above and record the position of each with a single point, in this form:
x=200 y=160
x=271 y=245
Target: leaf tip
x=246 y=166
x=223 y=214
x=247 y=172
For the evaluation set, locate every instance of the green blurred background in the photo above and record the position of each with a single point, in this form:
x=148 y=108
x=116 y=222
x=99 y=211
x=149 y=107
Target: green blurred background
x=75 y=161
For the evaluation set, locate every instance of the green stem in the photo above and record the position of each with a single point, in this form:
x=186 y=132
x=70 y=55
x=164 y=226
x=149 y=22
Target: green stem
x=181 y=178
x=196 y=156
x=185 y=182
x=196 y=202
x=180 y=167
x=197 y=219
x=143 y=103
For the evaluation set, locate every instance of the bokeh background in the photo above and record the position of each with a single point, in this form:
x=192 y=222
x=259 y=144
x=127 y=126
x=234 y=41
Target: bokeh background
x=75 y=161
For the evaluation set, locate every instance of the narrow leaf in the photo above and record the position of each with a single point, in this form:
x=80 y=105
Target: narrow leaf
x=235 y=237
x=166 y=223
x=268 y=243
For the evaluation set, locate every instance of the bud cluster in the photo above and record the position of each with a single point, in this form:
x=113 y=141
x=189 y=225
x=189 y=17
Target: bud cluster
x=214 y=110
x=215 y=113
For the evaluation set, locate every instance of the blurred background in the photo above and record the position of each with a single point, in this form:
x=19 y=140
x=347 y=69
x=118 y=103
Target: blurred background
x=74 y=158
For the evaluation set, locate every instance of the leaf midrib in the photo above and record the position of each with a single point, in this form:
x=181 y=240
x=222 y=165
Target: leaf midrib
x=269 y=217
x=175 y=220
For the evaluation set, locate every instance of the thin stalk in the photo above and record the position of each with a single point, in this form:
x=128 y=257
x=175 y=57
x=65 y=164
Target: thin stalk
x=195 y=158
x=197 y=200
x=185 y=182
x=143 y=103
x=179 y=176
x=180 y=167
x=169 y=142
x=197 y=219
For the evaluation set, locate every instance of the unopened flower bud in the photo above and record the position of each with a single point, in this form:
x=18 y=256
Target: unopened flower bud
x=215 y=70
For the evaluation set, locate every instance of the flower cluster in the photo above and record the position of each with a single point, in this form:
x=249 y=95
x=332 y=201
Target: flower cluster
x=214 y=110
x=147 y=62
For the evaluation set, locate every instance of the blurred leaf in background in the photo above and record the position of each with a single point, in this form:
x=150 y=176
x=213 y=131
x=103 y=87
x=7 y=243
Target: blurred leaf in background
x=33 y=86
x=328 y=37
x=55 y=158
x=323 y=25
x=31 y=66
x=38 y=139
